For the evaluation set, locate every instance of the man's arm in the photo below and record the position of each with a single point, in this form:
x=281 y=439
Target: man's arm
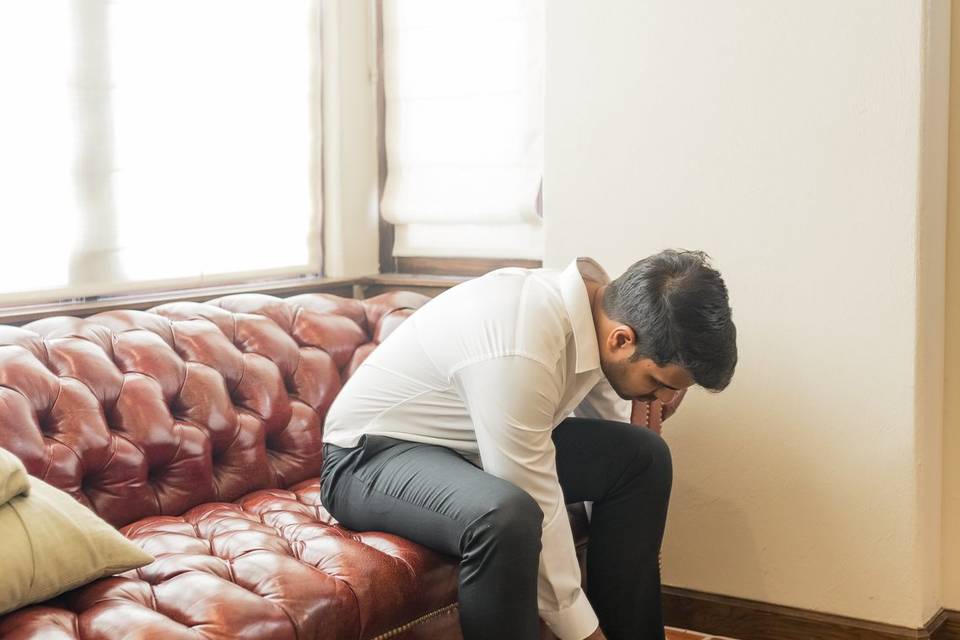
x=512 y=400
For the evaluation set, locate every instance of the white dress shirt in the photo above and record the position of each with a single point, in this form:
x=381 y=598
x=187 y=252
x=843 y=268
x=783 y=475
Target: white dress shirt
x=489 y=368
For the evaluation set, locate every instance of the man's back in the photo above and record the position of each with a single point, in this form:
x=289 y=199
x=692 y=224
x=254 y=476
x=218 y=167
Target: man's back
x=405 y=388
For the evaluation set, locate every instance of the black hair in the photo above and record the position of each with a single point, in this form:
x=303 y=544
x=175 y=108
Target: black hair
x=677 y=305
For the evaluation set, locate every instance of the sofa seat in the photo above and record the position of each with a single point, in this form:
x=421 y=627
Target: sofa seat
x=274 y=564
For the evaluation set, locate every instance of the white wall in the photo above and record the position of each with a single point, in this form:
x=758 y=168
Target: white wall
x=350 y=217
x=801 y=145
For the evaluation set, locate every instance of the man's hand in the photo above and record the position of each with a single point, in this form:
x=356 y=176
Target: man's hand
x=596 y=635
x=670 y=408
x=652 y=414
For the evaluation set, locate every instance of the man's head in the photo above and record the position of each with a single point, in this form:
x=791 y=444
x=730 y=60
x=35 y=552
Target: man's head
x=665 y=325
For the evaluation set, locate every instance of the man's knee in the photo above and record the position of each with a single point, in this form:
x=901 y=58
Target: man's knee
x=653 y=456
x=514 y=518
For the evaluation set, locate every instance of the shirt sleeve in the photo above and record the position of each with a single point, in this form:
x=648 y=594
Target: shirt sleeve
x=603 y=403
x=512 y=400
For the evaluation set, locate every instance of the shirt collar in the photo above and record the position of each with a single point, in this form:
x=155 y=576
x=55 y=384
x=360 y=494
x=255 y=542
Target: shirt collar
x=575 y=299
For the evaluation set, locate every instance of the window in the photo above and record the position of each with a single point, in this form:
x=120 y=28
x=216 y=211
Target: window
x=463 y=91
x=157 y=143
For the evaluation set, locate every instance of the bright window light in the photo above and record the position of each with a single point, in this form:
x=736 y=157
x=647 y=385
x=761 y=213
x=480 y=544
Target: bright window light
x=149 y=140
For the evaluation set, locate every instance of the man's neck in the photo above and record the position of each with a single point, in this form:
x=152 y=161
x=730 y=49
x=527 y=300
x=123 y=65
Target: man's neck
x=595 y=295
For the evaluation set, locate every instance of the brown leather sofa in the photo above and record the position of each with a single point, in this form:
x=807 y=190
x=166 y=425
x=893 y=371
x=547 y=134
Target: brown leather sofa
x=195 y=428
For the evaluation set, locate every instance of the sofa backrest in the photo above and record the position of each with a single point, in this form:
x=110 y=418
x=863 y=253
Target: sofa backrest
x=139 y=413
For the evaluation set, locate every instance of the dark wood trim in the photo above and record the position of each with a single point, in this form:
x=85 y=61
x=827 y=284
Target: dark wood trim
x=753 y=620
x=460 y=266
x=429 y=285
x=18 y=315
x=388 y=263
x=945 y=625
x=432 y=276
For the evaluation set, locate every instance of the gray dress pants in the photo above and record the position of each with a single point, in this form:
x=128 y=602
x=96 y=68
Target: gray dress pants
x=434 y=496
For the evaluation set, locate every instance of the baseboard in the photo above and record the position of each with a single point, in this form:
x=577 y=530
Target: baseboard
x=752 y=620
x=945 y=626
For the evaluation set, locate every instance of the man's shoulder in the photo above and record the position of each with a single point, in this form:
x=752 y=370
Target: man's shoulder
x=506 y=311
x=500 y=295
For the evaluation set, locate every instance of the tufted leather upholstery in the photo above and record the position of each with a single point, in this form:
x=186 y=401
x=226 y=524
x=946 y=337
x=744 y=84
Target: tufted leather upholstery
x=196 y=429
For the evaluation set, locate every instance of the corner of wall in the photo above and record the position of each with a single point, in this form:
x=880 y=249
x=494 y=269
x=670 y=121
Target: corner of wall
x=931 y=299
x=950 y=539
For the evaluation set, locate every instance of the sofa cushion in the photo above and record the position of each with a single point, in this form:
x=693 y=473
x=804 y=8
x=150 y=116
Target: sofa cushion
x=274 y=564
x=51 y=543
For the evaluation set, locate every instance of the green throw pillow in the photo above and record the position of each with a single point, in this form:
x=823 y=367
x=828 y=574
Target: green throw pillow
x=13 y=477
x=51 y=542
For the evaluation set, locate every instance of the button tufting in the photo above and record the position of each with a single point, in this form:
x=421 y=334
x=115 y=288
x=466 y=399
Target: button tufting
x=242 y=549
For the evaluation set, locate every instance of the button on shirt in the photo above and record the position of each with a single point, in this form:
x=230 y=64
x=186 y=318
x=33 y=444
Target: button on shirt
x=489 y=368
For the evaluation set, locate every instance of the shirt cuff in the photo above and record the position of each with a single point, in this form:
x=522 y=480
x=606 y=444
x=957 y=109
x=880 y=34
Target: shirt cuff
x=575 y=622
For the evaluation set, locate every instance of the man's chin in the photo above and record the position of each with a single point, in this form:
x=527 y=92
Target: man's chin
x=621 y=394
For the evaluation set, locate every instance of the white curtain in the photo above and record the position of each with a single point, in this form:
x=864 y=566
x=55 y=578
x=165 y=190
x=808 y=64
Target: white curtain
x=147 y=142
x=463 y=83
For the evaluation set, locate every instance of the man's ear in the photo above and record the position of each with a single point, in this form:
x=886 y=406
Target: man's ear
x=622 y=337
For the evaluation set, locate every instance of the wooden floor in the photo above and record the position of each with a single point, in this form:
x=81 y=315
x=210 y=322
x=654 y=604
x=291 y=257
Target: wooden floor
x=680 y=634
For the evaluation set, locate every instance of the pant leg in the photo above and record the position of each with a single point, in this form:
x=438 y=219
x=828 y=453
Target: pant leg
x=431 y=495
x=627 y=472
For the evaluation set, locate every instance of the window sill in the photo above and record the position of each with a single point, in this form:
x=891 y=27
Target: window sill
x=22 y=314
x=427 y=284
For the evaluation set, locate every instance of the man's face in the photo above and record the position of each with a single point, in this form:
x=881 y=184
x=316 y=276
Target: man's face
x=642 y=379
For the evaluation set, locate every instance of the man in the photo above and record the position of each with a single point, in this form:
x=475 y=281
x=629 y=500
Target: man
x=455 y=433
